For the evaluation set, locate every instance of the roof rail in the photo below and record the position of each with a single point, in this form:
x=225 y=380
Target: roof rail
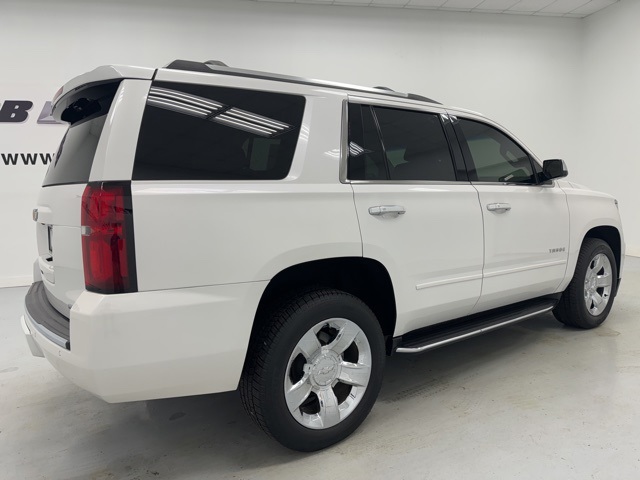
x=189 y=66
x=216 y=66
x=216 y=63
x=415 y=96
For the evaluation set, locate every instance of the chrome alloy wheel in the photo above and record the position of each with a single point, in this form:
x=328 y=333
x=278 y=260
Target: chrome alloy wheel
x=597 y=284
x=327 y=373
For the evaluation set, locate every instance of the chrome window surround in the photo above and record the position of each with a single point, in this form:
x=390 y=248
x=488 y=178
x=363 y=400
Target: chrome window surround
x=344 y=142
x=406 y=182
x=507 y=184
x=453 y=116
x=344 y=145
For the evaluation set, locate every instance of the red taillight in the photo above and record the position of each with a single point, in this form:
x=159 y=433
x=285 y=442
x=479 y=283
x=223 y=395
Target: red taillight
x=107 y=238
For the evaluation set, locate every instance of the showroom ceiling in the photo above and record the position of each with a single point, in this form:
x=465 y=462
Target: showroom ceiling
x=553 y=8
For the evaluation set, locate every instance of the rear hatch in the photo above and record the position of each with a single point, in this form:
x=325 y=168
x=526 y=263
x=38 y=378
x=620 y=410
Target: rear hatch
x=87 y=104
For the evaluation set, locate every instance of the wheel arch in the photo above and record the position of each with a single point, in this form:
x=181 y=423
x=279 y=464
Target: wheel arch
x=362 y=277
x=610 y=235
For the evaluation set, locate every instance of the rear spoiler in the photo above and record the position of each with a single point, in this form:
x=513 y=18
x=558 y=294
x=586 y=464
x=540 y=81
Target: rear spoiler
x=104 y=74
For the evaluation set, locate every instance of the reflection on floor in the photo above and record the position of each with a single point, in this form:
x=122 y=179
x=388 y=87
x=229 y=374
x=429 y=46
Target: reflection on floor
x=536 y=400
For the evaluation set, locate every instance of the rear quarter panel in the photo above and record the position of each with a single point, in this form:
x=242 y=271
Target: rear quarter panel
x=194 y=233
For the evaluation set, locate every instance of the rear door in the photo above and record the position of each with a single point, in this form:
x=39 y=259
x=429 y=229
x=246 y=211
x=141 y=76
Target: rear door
x=418 y=215
x=526 y=224
x=93 y=149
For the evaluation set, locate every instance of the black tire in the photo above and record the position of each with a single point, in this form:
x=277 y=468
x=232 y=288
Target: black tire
x=572 y=309
x=262 y=384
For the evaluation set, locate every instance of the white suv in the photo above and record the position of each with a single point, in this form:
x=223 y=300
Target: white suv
x=205 y=228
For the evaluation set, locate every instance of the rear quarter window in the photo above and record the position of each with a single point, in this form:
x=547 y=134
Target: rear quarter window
x=199 y=132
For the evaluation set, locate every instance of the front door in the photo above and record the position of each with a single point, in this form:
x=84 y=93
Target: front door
x=526 y=224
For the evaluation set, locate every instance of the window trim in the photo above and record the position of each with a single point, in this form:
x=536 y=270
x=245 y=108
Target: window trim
x=467 y=154
x=460 y=168
x=456 y=149
x=362 y=108
x=385 y=158
x=344 y=142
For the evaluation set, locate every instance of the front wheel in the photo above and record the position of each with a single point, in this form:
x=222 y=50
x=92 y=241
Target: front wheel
x=315 y=370
x=589 y=297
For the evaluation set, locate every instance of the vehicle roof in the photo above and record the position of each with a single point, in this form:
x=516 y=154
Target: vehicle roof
x=215 y=66
x=109 y=72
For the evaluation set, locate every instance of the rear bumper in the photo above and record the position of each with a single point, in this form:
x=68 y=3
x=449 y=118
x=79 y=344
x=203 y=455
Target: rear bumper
x=44 y=318
x=36 y=351
x=159 y=344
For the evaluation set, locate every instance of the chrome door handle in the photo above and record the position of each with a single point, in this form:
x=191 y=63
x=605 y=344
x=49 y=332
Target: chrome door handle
x=384 y=209
x=498 y=207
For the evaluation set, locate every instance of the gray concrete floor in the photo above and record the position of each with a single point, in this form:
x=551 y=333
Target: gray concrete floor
x=532 y=401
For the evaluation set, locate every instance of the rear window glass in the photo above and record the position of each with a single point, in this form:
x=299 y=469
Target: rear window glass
x=198 y=132
x=86 y=111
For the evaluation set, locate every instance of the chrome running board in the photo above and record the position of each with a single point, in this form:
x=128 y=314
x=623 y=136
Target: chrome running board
x=449 y=332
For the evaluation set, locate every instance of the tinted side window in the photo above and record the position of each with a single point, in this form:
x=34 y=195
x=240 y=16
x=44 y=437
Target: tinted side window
x=366 y=159
x=198 y=132
x=415 y=145
x=495 y=157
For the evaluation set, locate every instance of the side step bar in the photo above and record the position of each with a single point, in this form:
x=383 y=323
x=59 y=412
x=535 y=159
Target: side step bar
x=449 y=332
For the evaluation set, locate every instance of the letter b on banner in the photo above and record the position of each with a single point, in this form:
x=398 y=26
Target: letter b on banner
x=15 y=111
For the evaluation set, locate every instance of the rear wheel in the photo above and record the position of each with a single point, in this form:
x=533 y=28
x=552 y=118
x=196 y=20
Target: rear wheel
x=315 y=370
x=589 y=297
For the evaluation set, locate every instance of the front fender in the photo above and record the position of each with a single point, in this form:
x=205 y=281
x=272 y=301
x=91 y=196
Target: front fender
x=588 y=210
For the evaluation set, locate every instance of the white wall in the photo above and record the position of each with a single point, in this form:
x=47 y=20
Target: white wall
x=610 y=111
x=521 y=71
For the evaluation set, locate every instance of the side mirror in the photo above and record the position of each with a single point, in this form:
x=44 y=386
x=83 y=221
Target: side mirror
x=554 y=169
